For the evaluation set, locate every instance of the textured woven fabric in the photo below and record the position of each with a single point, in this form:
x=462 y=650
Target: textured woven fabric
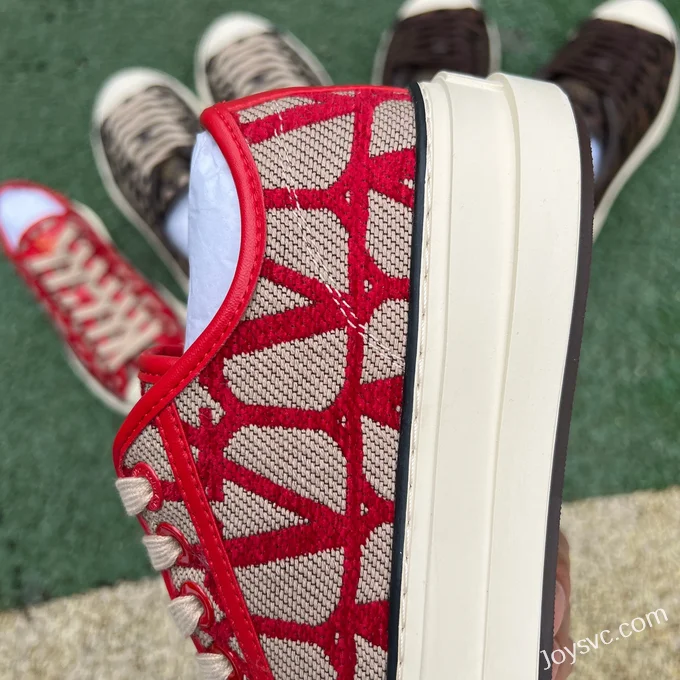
x=254 y=113
x=300 y=471
x=192 y=399
x=148 y=448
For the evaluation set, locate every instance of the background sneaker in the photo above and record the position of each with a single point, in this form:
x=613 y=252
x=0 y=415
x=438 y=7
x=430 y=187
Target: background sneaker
x=437 y=35
x=144 y=126
x=621 y=73
x=106 y=313
x=242 y=54
x=355 y=471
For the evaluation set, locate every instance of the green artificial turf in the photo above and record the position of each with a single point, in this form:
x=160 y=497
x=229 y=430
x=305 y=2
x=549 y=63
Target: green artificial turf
x=61 y=526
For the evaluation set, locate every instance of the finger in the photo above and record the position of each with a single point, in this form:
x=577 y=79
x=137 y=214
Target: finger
x=563 y=670
x=564 y=565
x=563 y=546
x=560 y=606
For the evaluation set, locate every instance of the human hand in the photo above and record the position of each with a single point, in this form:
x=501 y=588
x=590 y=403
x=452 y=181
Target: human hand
x=562 y=609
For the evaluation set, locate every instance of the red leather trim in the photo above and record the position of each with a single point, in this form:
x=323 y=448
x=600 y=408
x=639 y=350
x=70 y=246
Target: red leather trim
x=167 y=578
x=228 y=592
x=146 y=471
x=236 y=674
x=208 y=617
x=262 y=97
x=157 y=361
x=226 y=133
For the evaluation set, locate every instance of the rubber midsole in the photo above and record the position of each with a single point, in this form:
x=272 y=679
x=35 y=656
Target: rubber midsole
x=500 y=258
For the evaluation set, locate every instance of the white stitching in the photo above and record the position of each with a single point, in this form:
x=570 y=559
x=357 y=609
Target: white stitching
x=417 y=389
x=396 y=362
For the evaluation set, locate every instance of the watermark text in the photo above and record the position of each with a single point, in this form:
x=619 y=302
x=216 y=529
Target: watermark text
x=604 y=638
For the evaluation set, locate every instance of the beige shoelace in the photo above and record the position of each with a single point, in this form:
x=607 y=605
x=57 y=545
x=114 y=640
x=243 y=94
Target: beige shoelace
x=149 y=127
x=185 y=610
x=259 y=63
x=122 y=327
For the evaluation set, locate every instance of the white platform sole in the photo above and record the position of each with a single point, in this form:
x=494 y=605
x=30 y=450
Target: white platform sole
x=502 y=233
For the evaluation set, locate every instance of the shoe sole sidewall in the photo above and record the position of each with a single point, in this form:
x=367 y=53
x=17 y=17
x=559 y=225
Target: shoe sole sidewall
x=436 y=627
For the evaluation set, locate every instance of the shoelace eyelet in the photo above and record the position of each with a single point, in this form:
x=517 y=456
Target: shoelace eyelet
x=231 y=657
x=165 y=529
x=146 y=471
x=208 y=617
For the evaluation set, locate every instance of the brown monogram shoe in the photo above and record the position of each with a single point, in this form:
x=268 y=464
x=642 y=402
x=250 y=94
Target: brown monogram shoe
x=620 y=73
x=144 y=127
x=242 y=54
x=437 y=35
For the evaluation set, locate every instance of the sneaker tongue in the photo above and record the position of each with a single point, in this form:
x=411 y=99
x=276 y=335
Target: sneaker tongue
x=214 y=234
x=21 y=209
x=589 y=105
x=42 y=236
x=403 y=77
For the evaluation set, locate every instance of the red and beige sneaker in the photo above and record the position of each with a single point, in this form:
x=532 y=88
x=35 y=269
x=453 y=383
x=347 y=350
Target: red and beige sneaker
x=241 y=54
x=429 y=36
x=106 y=313
x=355 y=471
